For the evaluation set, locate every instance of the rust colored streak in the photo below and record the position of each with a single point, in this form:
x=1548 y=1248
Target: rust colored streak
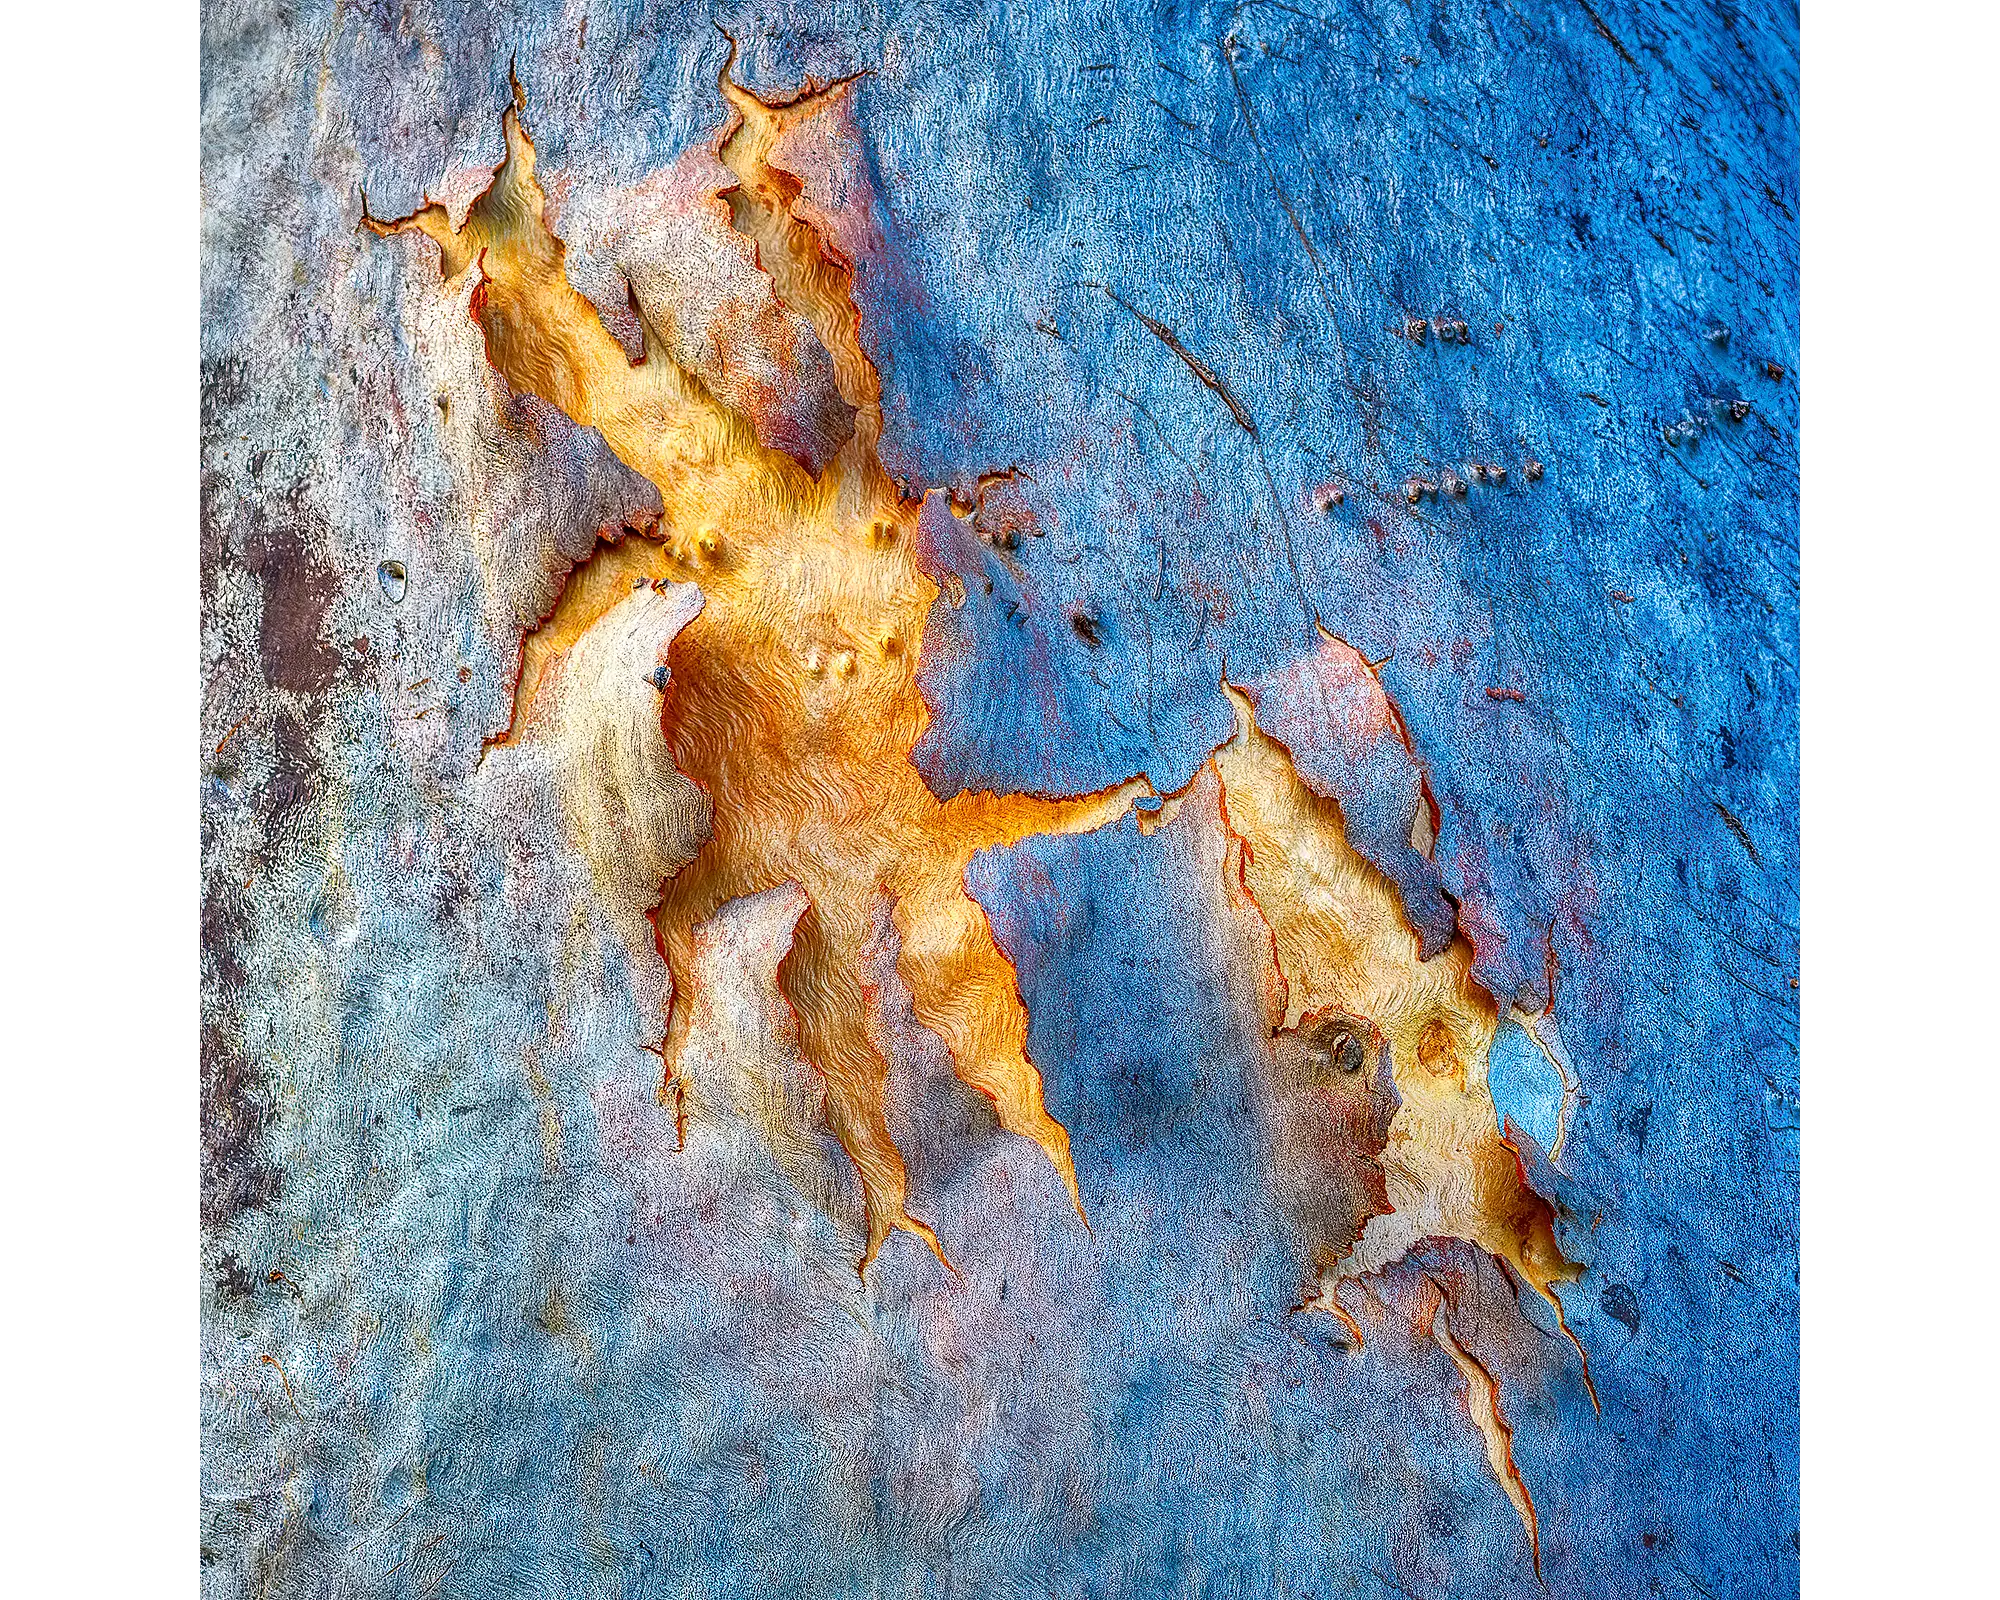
x=238 y=723
x=272 y=1361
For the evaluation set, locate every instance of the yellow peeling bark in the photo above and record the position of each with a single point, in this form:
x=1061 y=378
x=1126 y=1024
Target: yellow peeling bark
x=1340 y=943
x=1482 y=1403
x=792 y=699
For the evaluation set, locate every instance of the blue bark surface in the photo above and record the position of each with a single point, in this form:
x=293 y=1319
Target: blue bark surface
x=634 y=1371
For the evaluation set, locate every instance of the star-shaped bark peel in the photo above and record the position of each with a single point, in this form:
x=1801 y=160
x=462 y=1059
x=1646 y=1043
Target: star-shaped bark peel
x=792 y=698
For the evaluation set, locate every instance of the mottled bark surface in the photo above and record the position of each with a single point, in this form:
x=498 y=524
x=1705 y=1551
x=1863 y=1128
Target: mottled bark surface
x=1330 y=478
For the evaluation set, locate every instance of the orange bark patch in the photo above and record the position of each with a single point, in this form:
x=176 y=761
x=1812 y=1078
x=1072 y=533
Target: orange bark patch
x=792 y=697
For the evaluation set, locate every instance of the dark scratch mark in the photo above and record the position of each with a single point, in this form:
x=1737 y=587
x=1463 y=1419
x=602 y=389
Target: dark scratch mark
x=1736 y=827
x=1204 y=153
x=1167 y=337
x=1692 y=1581
x=422 y=1549
x=1244 y=420
x=1285 y=201
x=1623 y=54
x=1173 y=117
